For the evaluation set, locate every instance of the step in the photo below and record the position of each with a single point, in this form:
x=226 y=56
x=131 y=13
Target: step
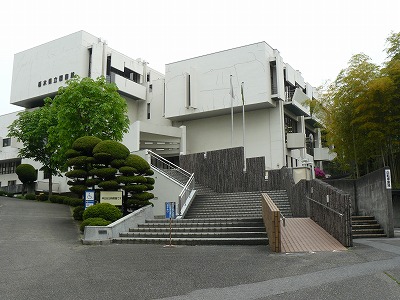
x=368 y=231
x=365 y=236
x=355 y=218
x=196 y=229
x=198 y=234
x=366 y=221
x=365 y=226
x=196 y=224
x=193 y=241
x=221 y=215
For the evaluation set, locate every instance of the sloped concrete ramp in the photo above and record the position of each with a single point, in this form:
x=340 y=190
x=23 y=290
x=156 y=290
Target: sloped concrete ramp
x=304 y=235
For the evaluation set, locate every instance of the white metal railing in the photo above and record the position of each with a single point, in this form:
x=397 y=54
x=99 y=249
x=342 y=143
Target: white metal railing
x=184 y=195
x=161 y=163
x=177 y=173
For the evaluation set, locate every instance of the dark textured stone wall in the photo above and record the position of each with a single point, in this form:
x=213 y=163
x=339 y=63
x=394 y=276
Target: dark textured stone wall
x=222 y=170
x=370 y=197
x=297 y=198
x=348 y=186
x=337 y=223
x=373 y=198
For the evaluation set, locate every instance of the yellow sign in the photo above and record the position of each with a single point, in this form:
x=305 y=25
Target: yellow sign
x=112 y=197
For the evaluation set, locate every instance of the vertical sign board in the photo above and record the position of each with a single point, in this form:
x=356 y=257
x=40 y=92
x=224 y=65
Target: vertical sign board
x=89 y=198
x=388 y=179
x=170 y=210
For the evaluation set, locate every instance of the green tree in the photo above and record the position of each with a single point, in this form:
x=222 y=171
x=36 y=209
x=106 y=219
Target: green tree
x=87 y=107
x=362 y=112
x=83 y=107
x=108 y=165
x=26 y=174
x=32 y=129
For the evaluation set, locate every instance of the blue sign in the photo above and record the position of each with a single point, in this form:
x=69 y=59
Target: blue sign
x=170 y=210
x=89 y=198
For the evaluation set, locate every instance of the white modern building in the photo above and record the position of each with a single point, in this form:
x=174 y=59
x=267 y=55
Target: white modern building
x=189 y=110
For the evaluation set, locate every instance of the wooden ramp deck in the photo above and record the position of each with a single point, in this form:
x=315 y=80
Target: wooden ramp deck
x=304 y=235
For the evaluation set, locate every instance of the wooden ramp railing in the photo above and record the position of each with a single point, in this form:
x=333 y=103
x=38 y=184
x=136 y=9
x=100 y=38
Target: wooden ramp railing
x=297 y=235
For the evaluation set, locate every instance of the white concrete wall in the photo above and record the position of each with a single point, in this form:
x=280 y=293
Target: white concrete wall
x=48 y=61
x=210 y=81
x=264 y=135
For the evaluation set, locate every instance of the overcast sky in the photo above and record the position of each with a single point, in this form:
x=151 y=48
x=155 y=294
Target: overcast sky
x=317 y=37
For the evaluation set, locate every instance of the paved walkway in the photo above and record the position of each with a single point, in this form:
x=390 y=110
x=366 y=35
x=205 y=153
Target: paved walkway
x=304 y=235
x=41 y=257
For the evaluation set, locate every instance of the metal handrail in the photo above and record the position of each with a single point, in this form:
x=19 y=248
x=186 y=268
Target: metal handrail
x=283 y=218
x=327 y=207
x=187 y=189
x=168 y=164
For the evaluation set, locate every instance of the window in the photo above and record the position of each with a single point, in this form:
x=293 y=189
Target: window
x=148 y=77
x=273 y=75
x=90 y=62
x=44 y=82
x=72 y=74
x=150 y=88
x=148 y=111
x=46 y=174
x=9 y=166
x=39 y=84
x=60 y=78
x=55 y=80
x=12 y=182
x=50 y=80
x=6 y=142
x=66 y=76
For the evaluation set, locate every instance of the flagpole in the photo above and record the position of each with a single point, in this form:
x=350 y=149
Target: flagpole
x=244 y=130
x=232 y=96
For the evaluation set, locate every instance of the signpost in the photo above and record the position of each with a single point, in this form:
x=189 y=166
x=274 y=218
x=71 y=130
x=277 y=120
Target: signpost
x=170 y=213
x=89 y=198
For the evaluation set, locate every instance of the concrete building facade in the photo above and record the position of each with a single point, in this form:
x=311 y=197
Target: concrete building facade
x=189 y=110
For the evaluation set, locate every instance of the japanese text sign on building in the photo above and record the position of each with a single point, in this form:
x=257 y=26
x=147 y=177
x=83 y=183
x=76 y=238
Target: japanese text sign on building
x=388 y=179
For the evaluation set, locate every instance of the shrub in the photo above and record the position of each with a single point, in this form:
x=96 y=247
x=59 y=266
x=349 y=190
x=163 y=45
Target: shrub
x=30 y=197
x=94 y=222
x=3 y=193
x=42 y=197
x=135 y=188
x=319 y=173
x=143 y=196
x=10 y=195
x=74 y=202
x=110 y=185
x=78 y=189
x=117 y=163
x=127 y=171
x=104 y=158
x=78 y=213
x=77 y=173
x=79 y=161
x=72 y=153
x=135 y=161
x=26 y=173
x=86 y=144
x=115 y=149
x=106 y=211
x=92 y=181
x=150 y=180
x=106 y=173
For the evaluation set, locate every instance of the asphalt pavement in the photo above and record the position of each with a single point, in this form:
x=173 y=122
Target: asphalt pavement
x=41 y=257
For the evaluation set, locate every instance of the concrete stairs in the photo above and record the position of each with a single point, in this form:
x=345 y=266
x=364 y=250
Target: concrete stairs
x=197 y=232
x=366 y=227
x=208 y=204
x=213 y=219
x=281 y=200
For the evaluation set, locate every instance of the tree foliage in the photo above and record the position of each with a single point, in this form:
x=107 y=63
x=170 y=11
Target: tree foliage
x=108 y=165
x=362 y=112
x=87 y=107
x=83 y=107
